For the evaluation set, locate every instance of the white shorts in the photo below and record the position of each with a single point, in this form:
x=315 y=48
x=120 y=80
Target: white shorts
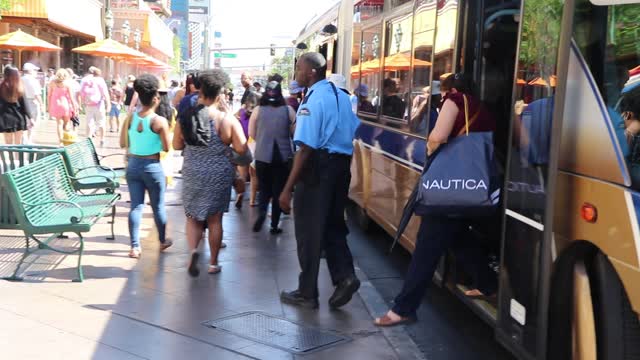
x=96 y=116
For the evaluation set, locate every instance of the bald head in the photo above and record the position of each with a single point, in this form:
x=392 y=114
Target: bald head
x=311 y=68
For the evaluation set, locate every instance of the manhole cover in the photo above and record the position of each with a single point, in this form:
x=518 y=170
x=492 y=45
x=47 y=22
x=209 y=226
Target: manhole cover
x=277 y=332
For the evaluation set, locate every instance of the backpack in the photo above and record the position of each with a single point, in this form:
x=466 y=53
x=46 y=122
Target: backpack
x=195 y=126
x=91 y=92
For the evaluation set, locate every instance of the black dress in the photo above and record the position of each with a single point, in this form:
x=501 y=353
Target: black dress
x=13 y=116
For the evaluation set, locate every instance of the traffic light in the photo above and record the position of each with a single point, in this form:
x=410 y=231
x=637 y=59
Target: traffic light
x=273 y=50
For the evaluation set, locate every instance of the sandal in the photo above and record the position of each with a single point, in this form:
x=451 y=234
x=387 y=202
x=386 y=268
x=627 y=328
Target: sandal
x=214 y=269
x=475 y=294
x=135 y=253
x=193 y=264
x=165 y=245
x=387 y=321
x=239 y=201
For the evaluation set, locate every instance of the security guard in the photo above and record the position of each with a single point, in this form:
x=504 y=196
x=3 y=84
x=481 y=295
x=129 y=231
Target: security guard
x=321 y=174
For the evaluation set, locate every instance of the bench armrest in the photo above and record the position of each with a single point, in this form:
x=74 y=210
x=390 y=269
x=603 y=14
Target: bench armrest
x=106 y=168
x=73 y=219
x=106 y=156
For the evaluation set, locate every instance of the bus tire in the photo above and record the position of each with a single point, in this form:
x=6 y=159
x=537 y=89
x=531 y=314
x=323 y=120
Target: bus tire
x=617 y=326
x=617 y=329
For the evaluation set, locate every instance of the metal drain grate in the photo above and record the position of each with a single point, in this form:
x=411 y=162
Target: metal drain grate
x=277 y=332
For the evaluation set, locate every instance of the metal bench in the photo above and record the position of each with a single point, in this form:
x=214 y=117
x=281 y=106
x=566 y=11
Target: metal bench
x=44 y=201
x=85 y=164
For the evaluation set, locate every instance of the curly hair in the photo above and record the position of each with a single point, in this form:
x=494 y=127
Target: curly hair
x=631 y=102
x=212 y=82
x=146 y=85
x=164 y=108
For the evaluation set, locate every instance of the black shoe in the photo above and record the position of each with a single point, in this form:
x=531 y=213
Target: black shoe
x=344 y=291
x=295 y=298
x=257 y=226
x=275 y=231
x=193 y=265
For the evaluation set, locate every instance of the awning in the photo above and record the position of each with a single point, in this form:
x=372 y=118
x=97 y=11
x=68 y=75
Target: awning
x=158 y=35
x=57 y=12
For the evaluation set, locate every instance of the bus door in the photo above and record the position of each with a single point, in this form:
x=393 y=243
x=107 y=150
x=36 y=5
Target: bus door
x=538 y=96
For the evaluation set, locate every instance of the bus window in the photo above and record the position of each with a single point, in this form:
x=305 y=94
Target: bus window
x=425 y=97
x=608 y=38
x=397 y=66
x=445 y=44
x=355 y=60
x=395 y=3
x=368 y=90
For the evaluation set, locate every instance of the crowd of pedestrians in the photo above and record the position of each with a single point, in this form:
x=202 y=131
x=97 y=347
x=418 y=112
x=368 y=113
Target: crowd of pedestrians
x=301 y=143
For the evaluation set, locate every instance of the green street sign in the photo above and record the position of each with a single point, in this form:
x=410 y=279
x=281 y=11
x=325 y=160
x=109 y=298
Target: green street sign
x=224 y=56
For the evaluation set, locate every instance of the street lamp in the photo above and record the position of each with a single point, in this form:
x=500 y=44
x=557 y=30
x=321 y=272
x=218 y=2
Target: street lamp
x=126 y=31
x=398 y=36
x=137 y=38
x=108 y=22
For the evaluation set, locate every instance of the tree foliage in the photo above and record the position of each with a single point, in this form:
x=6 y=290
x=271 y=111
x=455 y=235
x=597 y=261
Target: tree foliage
x=177 y=55
x=282 y=65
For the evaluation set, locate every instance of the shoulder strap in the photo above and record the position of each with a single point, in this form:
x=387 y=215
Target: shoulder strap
x=335 y=93
x=468 y=122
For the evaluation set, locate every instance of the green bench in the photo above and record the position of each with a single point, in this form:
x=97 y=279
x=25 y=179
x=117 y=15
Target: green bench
x=44 y=202
x=85 y=162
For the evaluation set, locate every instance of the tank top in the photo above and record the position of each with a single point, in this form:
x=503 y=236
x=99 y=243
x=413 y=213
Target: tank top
x=273 y=137
x=143 y=143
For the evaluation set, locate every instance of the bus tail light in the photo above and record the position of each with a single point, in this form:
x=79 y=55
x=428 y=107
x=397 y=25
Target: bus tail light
x=589 y=213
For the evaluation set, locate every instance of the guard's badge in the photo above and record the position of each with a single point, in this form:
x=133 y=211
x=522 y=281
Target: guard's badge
x=304 y=112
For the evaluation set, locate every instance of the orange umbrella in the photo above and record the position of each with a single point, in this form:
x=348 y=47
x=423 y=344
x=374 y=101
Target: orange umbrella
x=521 y=82
x=108 y=48
x=19 y=40
x=402 y=61
x=542 y=82
x=371 y=65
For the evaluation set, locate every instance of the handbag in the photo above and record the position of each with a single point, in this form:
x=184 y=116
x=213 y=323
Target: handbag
x=462 y=176
x=241 y=160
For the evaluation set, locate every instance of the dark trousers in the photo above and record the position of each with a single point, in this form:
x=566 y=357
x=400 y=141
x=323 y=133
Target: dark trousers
x=435 y=236
x=319 y=201
x=272 y=177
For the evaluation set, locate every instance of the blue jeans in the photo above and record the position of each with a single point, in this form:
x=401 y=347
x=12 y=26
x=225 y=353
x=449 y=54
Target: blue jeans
x=146 y=174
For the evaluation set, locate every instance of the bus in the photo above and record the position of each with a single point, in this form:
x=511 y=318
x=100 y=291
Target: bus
x=562 y=79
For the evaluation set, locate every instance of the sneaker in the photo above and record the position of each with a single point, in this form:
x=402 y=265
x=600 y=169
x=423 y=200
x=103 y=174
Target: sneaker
x=275 y=231
x=295 y=298
x=166 y=244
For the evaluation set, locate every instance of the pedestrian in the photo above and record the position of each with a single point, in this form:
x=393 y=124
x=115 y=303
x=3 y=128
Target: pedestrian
x=246 y=81
x=32 y=96
x=116 y=95
x=173 y=90
x=275 y=77
x=244 y=114
x=270 y=125
x=444 y=232
x=168 y=112
x=295 y=95
x=95 y=96
x=207 y=170
x=14 y=113
x=190 y=98
x=144 y=137
x=321 y=174
x=258 y=87
x=75 y=86
x=62 y=106
x=129 y=92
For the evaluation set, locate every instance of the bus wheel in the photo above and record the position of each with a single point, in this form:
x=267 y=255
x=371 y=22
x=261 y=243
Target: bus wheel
x=590 y=316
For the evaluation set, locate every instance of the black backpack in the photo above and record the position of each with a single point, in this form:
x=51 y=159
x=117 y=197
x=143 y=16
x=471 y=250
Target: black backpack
x=196 y=130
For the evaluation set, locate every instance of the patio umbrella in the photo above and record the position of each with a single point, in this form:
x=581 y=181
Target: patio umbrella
x=109 y=48
x=19 y=40
x=402 y=61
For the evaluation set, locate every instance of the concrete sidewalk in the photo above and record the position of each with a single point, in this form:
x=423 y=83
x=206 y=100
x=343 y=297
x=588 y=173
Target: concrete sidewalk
x=151 y=309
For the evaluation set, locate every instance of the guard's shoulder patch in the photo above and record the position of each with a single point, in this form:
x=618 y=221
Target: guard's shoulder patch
x=304 y=112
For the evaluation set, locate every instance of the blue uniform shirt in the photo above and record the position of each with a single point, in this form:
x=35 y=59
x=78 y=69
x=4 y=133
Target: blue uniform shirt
x=322 y=124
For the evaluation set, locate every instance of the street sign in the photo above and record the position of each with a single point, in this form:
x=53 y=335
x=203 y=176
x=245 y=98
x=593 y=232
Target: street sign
x=224 y=56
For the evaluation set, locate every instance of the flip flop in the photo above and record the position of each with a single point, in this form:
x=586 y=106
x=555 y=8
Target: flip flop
x=214 y=269
x=386 y=321
x=493 y=298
